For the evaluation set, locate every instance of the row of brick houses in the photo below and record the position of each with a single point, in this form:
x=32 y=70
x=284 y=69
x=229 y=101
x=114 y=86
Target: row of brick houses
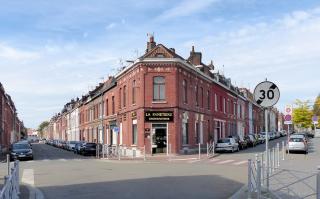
x=11 y=127
x=161 y=100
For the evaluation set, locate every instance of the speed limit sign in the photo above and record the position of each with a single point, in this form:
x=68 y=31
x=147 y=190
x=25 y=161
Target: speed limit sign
x=266 y=94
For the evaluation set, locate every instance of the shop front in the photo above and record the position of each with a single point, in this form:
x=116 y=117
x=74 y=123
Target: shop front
x=159 y=130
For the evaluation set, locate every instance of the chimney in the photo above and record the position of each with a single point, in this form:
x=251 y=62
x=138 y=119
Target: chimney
x=150 y=44
x=173 y=50
x=195 y=57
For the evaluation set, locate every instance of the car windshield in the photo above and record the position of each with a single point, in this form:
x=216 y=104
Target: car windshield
x=296 y=140
x=20 y=146
x=224 y=141
x=73 y=142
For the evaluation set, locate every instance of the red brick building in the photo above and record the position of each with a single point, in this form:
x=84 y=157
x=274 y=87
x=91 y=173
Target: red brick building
x=164 y=103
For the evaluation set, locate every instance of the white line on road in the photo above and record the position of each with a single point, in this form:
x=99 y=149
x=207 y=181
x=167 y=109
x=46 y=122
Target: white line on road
x=182 y=159
x=214 y=160
x=225 y=162
x=62 y=160
x=28 y=176
x=241 y=162
x=194 y=161
x=28 y=179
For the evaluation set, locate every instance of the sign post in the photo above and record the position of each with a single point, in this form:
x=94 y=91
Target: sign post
x=314 y=121
x=266 y=94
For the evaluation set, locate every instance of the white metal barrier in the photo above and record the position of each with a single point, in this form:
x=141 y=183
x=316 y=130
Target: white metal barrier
x=119 y=152
x=10 y=189
x=210 y=149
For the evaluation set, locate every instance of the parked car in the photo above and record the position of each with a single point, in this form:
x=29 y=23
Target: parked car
x=262 y=137
x=251 y=140
x=88 y=148
x=277 y=134
x=283 y=133
x=297 y=143
x=227 y=144
x=272 y=135
x=241 y=142
x=77 y=147
x=303 y=135
x=21 y=151
x=71 y=145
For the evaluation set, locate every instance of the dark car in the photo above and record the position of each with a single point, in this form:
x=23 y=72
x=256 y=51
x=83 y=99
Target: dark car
x=21 y=151
x=242 y=143
x=88 y=148
x=250 y=140
x=77 y=147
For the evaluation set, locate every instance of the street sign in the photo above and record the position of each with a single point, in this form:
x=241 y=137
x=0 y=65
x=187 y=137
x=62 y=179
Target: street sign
x=288 y=110
x=314 y=118
x=116 y=129
x=288 y=122
x=287 y=118
x=266 y=94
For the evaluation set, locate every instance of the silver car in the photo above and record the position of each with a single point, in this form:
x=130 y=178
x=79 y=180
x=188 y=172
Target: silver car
x=297 y=143
x=227 y=144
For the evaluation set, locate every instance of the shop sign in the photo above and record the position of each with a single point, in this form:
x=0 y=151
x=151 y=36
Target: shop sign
x=158 y=116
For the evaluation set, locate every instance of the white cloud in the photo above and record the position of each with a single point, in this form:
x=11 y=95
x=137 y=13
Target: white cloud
x=13 y=54
x=185 y=8
x=110 y=26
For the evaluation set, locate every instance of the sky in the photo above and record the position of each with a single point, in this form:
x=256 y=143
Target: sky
x=53 y=51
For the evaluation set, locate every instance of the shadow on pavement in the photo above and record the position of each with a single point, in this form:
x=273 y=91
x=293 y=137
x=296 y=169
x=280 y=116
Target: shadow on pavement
x=186 y=187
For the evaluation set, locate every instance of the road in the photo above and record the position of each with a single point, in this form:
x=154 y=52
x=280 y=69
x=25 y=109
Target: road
x=61 y=174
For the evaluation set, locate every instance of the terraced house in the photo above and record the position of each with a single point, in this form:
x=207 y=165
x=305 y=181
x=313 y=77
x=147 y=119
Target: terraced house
x=11 y=128
x=165 y=103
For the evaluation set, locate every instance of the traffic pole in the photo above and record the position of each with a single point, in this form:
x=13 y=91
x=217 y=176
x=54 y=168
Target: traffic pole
x=199 y=151
x=267 y=147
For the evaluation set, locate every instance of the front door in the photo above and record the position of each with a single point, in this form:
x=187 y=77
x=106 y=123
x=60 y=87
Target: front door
x=159 y=139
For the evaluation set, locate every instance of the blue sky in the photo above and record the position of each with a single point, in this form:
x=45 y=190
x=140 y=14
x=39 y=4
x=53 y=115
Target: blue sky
x=52 y=51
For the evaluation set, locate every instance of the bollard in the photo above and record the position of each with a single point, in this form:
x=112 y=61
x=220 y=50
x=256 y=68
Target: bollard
x=103 y=147
x=8 y=163
x=144 y=152
x=17 y=166
x=107 y=152
x=278 y=156
x=258 y=179
x=256 y=157
x=318 y=186
x=274 y=159
x=249 y=178
x=283 y=150
x=199 y=151
x=270 y=162
x=213 y=148
x=262 y=169
x=119 y=153
x=207 y=149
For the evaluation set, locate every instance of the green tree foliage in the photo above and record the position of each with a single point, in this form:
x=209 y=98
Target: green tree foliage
x=302 y=114
x=42 y=126
x=316 y=106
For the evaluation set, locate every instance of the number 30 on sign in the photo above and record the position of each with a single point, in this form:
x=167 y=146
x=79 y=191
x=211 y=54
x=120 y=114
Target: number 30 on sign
x=266 y=94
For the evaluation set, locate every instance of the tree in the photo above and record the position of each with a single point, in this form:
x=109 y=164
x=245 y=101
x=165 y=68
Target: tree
x=43 y=125
x=316 y=107
x=302 y=114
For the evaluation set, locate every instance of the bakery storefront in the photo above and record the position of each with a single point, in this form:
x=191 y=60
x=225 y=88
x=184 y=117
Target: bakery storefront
x=159 y=129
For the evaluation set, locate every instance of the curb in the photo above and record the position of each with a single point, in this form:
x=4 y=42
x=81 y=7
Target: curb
x=34 y=192
x=240 y=193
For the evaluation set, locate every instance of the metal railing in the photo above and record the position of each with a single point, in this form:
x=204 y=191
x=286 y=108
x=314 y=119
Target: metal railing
x=10 y=189
x=210 y=149
x=120 y=152
x=282 y=183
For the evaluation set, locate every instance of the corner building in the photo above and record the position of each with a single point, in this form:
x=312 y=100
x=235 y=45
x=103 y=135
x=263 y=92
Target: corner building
x=165 y=103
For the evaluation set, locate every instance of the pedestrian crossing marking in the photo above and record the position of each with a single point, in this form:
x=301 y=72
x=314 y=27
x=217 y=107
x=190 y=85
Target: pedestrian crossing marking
x=226 y=161
x=241 y=162
x=214 y=160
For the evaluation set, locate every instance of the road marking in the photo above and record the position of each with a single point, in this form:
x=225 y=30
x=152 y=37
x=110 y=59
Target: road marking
x=241 y=162
x=214 y=160
x=63 y=160
x=194 y=161
x=225 y=162
x=28 y=176
x=182 y=159
x=45 y=160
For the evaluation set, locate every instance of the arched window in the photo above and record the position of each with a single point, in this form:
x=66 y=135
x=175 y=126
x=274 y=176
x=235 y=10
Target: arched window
x=124 y=96
x=159 y=88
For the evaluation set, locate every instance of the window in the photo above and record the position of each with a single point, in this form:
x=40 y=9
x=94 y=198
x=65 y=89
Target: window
x=124 y=96
x=201 y=90
x=208 y=100
x=215 y=102
x=185 y=133
x=184 y=90
x=113 y=111
x=224 y=105
x=197 y=132
x=197 y=96
x=120 y=93
x=107 y=109
x=134 y=134
x=133 y=91
x=158 y=88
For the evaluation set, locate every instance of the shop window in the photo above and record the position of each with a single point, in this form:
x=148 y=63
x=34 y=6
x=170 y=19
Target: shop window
x=134 y=134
